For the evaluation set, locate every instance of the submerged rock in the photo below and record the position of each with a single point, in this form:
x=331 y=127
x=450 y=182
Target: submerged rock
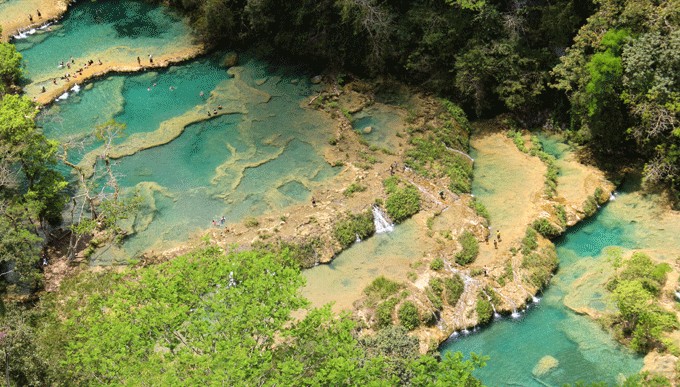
x=368 y=129
x=545 y=365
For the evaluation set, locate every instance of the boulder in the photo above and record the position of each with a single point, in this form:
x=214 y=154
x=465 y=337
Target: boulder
x=229 y=60
x=368 y=129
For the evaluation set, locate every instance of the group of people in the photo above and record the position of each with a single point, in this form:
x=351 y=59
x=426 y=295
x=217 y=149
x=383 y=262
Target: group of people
x=219 y=107
x=215 y=224
x=67 y=77
x=495 y=241
x=139 y=60
x=30 y=17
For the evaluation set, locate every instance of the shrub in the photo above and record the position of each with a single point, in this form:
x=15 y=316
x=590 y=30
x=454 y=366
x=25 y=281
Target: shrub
x=403 y=203
x=391 y=184
x=378 y=202
x=332 y=141
x=434 y=298
x=383 y=313
x=382 y=288
x=437 y=264
x=590 y=206
x=347 y=229
x=412 y=276
x=530 y=241
x=251 y=222
x=408 y=315
x=545 y=228
x=437 y=285
x=454 y=289
x=540 y=265
x=476 y=272
x=354 y=187
x=470 y=248
x=484 y=309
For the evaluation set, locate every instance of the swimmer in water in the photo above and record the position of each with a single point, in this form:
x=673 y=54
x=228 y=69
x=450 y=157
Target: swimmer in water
x=148 y=88
x=208 y=113
x=201 y=94
x=219 y=107
x=215 y=112
x=154 y=84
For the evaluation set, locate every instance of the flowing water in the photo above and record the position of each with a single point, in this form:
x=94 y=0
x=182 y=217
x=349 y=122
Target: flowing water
x=549 y=344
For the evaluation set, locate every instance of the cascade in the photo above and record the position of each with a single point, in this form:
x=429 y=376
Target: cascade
x=381 y=221
x=462 y=153
x=515 y=314
x=358 y=239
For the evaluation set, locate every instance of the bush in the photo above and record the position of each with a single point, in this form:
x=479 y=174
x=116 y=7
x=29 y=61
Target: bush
x=590 y=206
x=470 y=248
x=545 y=228
x=354 y=187
x=484 y=309
x=454 y=289
x=540 y=265
x=347 y=229
x=408 y=315
x=383 y=313
x=332 y=141
x=403 y=203
x=437 y=264
x=437 y=303
x=382 y=288
x=250 y=222
x=391 y=184
x=530 y=241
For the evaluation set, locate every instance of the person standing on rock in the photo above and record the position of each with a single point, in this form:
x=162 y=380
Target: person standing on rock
x=139 y=61
x=38 y=12
x=313 y=202
x=495 y=244
x=498 y=235
x=30 y=17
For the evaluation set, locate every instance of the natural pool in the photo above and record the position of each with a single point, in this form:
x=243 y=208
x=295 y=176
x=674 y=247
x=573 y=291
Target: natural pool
x=262 y=153
x=518 y=348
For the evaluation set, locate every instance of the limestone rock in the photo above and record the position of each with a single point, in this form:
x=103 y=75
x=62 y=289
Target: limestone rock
x=316 y=79
x=230 y=60
x=368 y=129
x=545 y=365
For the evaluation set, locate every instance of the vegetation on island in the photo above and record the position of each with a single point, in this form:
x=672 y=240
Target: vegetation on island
x=635 y=290
x=353 y=226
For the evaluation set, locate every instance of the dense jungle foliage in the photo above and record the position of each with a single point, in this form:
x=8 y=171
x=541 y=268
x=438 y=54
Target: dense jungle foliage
x=604 y=71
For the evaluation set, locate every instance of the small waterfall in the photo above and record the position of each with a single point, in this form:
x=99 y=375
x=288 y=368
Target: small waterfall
x=515 y=314
x=62 y=97
x=496 y=316
x=358 y=239
x=465 y=332
x=612 y=196
x=381 y=221
x=75 y=88
x=677 y=295
x=462 y=153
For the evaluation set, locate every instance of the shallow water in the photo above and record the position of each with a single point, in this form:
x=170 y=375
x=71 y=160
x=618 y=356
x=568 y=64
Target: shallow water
x=343 y=280
x=113 y=31
x=584 y=351
x=263 y=154
x=384 y=123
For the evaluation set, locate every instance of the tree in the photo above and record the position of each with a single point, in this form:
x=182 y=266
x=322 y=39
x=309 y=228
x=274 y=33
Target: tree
x=10 y=65
x=211 y=318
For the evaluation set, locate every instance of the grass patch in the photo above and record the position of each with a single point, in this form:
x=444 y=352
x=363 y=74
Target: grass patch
x=383 y=313
x=484 y=308
x=354 y=187
x=480 y=209
x=382 y=288
x=540 y=266
x=250 y=222
x=545 y=228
